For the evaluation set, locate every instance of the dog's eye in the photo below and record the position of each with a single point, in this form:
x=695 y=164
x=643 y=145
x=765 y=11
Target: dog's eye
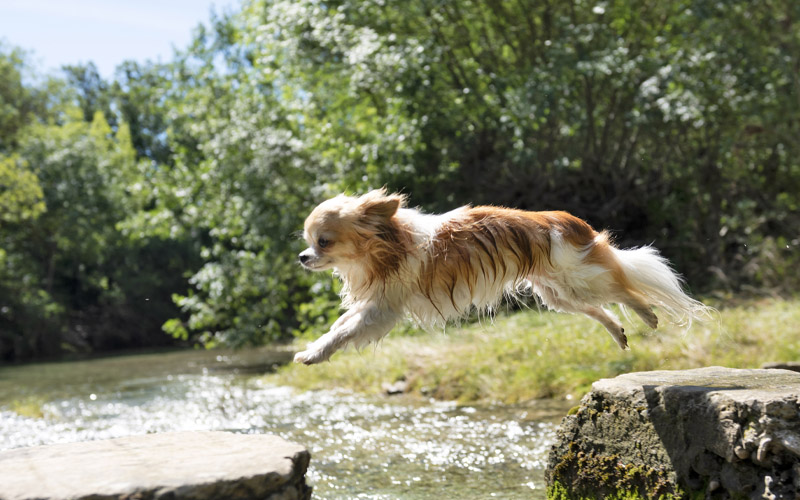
x=322 y=242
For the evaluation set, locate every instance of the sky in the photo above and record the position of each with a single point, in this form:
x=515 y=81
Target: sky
x=106 y=32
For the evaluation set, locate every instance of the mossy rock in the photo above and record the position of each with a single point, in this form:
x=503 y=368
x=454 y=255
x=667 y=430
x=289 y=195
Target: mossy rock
x=681 y=435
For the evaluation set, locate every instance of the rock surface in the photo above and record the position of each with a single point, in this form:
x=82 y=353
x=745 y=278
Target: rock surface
x=180 y=465
x=783 y=365
x=720 y=432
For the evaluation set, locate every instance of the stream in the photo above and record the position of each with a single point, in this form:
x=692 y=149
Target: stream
x=374 y=447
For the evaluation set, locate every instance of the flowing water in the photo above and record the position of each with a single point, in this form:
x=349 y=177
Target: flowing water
x=361 y=447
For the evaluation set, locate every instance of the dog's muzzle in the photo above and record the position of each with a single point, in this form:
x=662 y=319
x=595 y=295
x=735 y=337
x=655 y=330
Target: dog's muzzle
x=308 y=258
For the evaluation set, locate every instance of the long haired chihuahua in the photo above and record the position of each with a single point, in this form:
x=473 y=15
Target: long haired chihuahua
x=396 y=261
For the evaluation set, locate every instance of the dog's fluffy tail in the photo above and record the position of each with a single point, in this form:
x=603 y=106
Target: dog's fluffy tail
x=656 y=282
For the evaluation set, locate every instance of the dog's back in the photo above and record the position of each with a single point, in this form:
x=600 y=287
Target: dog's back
x=479 y=255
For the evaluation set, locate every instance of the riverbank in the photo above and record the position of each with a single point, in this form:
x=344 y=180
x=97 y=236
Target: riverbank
x=530 y=354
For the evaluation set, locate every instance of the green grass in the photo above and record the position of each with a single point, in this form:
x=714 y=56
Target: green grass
x=531 y=354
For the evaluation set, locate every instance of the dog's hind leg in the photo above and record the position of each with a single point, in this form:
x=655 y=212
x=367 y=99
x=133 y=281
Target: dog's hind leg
x=552 y=298
x=607 y=319
x=642 y=309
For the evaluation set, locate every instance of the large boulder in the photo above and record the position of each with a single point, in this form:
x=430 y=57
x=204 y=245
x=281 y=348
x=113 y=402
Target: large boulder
x=718 y=432
x=180 y=465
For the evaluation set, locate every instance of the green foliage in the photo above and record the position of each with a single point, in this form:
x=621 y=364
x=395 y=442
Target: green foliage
x=631 y=116
x=67 y=269
x=16 y=101
x=20 y=192
x=90 y=90
x=670 y=122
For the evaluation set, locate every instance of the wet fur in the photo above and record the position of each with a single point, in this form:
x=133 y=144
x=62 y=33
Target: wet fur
x=395 y=261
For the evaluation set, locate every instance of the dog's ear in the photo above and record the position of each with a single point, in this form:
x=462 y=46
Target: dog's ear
x=378 y=203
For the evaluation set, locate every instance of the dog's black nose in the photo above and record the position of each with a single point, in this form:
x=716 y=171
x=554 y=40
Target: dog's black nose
x=303 y=258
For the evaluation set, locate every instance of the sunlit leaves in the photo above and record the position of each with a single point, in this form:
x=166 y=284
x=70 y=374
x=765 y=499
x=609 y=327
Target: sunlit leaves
x=21 y=196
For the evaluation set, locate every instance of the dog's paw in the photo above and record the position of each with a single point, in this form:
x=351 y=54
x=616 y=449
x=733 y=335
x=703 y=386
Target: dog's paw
x=622 y=339
x=310 y=357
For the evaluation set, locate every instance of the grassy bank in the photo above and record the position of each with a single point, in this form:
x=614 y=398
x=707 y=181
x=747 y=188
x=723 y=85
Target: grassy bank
x=532 y=354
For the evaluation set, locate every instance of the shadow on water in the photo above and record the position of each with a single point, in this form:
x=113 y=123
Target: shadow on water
x=362 y=447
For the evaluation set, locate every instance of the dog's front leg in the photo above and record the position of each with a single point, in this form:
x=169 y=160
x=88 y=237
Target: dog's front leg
x=361 y=324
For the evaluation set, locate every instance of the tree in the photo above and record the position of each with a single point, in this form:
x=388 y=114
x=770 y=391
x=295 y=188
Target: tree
x=70 y=278
x=629 y=115
x=17 y=103
x=237 y=184
x=92 y=92
x=668 y=122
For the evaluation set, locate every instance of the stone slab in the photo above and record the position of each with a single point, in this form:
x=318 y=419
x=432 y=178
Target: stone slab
x=180 y=465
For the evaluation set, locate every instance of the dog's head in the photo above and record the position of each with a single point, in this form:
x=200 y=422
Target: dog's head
x=348 y=231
